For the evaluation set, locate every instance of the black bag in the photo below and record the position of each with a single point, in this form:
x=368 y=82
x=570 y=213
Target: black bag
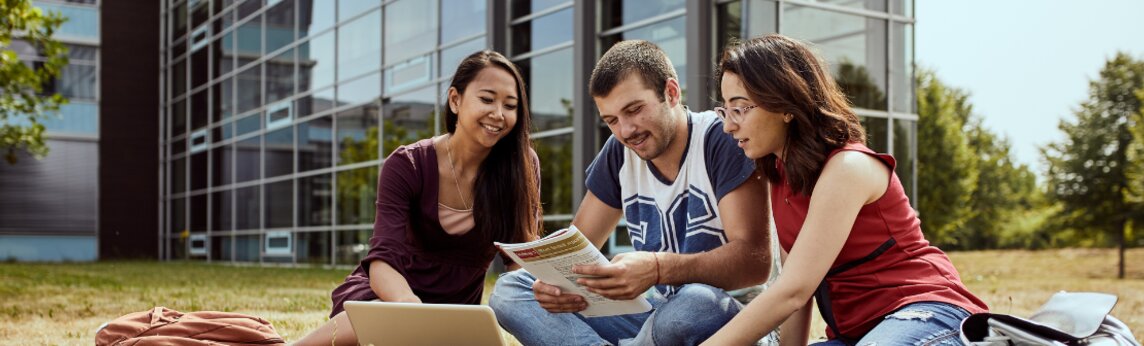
x=1066 y=319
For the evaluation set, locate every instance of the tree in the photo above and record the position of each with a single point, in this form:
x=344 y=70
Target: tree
x=947 y=172
x=23 y=104
x=1088 y=172
x=1004 y=189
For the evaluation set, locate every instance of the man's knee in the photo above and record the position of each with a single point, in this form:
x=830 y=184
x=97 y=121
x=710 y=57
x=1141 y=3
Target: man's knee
x=511 y=286
x=696 y=309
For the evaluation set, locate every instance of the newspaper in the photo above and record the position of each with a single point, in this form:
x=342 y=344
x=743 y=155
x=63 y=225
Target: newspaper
x=551 y=260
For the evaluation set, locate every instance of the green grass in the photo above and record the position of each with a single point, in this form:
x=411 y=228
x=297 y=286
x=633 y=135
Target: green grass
x=50 y=304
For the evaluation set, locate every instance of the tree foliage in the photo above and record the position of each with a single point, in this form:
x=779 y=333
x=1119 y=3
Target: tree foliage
x=1090 y=171
x=947 y=173
x=23 y=105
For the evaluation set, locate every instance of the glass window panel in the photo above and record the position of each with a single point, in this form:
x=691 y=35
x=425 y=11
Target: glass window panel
x=77 y=82
x=357 y=192
x=247 y=248
x=248 y=7
x=200 y=110
x=200 y=13
x=280 y=25
x=364 y=89
x=222 y=166
x=408 y=118
x=178 y=147
x=279 y=153
x=312 y=247
x=902 y=7
x=247 y=211
x=179 y=118
x=222 y=211
x=555 y=155
x=77 y=117
x=179 y=78
x=249 y=43
x=410 y=29
x=542 y=32
x=225 y=47
x=319 y=101
x=359 y=46
x=248 y=124
x=249 y=89
x=462 y=18
x=408 y=74
x=199 y=213
x=315 y=144
x=223 y=99
x=728 y=25
x=248 y=159
x=199 y=171
x=224 y=132
x=178 y=175
x=357 y=131
x=351 y=8
x=905 y=152
x=222 y=248
x=315 y=16
x=178 y=21
x=876 y=137
x=316 y=62
x=227 y=19
x=179 y=48
x=550 y=89
x=315 y=200
x=82 y=54
x=853 y=46
x=902 y=70
x=280 y=204
x=521 y=8
x=178 y=215
x=669 y=35
x=622 y=12
x=451 y=57
x=352 y=246
x=83 y=21
x=280 y=76
x=873 y=5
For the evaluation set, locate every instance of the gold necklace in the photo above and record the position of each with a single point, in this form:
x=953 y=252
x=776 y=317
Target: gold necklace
x=456 y=181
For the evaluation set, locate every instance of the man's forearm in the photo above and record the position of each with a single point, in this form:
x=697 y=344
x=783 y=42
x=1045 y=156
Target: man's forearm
x=734 y=265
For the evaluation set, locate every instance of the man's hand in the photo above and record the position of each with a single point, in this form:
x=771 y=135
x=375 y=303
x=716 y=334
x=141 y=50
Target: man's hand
x=629 y=275
x=552 y=299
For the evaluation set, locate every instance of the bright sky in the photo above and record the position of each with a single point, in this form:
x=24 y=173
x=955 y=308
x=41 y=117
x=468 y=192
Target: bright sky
x=1025 y=63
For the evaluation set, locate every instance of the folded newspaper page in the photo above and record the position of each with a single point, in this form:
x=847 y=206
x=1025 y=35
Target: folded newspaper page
x=551 y=260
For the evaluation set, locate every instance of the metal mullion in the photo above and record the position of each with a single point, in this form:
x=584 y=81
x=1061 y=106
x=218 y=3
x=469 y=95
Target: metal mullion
x=550 y=49
x=459 y=41
x=544 y=12
x=839 y=9
x=644 y=22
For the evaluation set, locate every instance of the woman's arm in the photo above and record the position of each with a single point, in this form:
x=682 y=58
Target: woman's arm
x=848 y=181
x=796 y=330
x=389 y=285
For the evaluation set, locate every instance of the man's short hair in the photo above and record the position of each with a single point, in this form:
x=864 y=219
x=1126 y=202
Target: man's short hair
x=643 y=58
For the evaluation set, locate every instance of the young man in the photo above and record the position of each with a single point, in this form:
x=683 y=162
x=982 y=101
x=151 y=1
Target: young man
x=689 y=198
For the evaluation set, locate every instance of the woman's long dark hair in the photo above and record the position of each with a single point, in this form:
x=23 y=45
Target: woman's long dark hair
x=506 y=194
x=786 y=77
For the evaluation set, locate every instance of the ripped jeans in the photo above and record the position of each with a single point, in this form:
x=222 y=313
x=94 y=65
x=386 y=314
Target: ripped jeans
x=923 y=323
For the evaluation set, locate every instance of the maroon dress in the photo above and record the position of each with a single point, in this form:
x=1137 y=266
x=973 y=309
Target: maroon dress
x=407 y=234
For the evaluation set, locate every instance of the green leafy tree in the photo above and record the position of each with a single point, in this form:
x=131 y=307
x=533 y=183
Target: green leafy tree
x=1005 y=190
x=947 y=170
x=1088 y=172
x=23 y=105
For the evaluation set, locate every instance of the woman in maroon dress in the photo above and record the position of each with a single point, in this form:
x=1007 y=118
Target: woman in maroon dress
x=443 y=201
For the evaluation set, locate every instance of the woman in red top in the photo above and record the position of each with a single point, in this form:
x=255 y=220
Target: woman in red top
x=443 y=201
x=848 y=233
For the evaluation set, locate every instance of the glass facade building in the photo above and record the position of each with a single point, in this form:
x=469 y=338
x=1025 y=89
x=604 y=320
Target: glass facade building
x=276 y=115
x=49 y=207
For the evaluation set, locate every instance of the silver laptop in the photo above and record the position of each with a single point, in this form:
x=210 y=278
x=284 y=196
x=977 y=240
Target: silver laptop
x=380 y=323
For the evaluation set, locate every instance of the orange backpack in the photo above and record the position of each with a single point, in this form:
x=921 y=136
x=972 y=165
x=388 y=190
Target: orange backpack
x=163 y=326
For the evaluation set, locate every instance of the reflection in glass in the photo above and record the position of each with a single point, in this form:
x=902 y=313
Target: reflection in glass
x=222 y=211
x=359 y=46
x=315 y=144
x=902 y=7
x=555 y=155
x=521 y=8
x=352 y=246
x=249 y=89
x=462 y=18
x=248 y=159
x=247 y=248
x=312 y=247
x=280 y=204
x=316 y=62
x=902 y=70
x=250 y=40
x=728 y=25
x=550 y=89
x=408 y=118
x=280 y=76
x=905 y=147
x=314 y=16
x=198 y=213
x=350 y=8
x=622 y=12
x=853 y=46
x=451 y=57
x=669 y=35
x=223 y=100
x=410 y=73
x=77 y=82
x=357 y=192
x=317 y=102
x=279 y=25
x=873 y=5
x=279 y=152
x=199 y=171
x=222 y=166
x=410 y=29
x=225 y=54
x=364 y=89
x=178 y=175
x=247 y=124
x=315 y=205
x=357 y=134
x=876 y=133
x=542 y=32
x=247 y=208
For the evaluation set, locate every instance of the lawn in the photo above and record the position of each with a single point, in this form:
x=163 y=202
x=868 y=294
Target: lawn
x=42 y=304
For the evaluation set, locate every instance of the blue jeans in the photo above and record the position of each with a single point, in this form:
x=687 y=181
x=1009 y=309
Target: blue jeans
x=923 y=323
x=688 y=317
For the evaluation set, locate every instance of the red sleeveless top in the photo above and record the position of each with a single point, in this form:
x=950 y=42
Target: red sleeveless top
x=885 y=264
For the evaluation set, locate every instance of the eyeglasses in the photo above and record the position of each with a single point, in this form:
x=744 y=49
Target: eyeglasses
x=733 y=114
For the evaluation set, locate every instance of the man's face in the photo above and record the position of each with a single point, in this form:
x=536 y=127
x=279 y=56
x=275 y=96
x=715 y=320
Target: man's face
x=637 y=117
